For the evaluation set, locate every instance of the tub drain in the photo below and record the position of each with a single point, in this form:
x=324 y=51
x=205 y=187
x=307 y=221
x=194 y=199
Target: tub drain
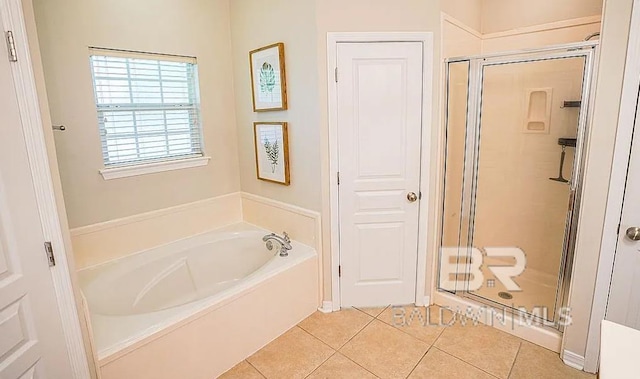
x=505 y=295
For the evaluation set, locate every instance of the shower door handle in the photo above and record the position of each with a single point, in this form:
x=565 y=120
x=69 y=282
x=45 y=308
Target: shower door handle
x=633 y=233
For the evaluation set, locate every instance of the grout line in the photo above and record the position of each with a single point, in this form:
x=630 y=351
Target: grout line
x=255 y=368
x=359 y=330
x=424 y=326
x=312 y=336
x=395 y=328
x=470 y=364
x=335 y=351
x=324 y=343
x=440 y=334
x=359 y=365
x=420 y=360
x=370 y=315
x=320 y=365
x=514 y=360
x=355 y=335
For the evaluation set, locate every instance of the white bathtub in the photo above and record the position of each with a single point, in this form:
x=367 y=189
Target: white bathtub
x=135 y=300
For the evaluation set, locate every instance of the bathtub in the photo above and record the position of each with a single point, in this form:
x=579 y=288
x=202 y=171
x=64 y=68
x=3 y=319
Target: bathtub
x=194 y=296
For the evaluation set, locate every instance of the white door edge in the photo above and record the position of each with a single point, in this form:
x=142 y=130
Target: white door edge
x=23 y=77
x=615 y=197
x=333 y=39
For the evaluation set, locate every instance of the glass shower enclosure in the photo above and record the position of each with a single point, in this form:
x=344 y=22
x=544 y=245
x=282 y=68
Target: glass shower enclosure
x=516 y=129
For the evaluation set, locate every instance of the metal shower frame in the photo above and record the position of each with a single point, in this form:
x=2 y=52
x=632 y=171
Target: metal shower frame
x=587 y=50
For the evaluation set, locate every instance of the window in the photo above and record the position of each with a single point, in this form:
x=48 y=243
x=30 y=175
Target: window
x=148 y=107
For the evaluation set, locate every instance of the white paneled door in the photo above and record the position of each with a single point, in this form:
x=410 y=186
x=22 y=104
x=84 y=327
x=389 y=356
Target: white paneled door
x=624 y=296
x=32 y=343
x=379 y=103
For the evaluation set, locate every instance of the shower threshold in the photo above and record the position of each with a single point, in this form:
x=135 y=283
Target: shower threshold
x=472 y=310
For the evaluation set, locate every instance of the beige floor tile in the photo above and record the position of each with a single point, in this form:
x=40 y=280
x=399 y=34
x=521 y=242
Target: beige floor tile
x=294 y=354
x=482 y=346
x=385 y=351
x=241 y=371
x=536 y=362
x=372 y=311
x=336 y=328
x=417 y=322
x=338 y=367
x=440 y=365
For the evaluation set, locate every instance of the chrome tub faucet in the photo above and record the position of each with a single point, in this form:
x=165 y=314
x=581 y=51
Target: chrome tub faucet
x=284 y=241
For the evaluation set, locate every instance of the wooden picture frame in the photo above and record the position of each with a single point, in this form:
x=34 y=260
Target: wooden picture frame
x=271 y=142
x=268 y=78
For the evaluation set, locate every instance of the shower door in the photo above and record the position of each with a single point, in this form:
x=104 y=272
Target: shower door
x=515 y=130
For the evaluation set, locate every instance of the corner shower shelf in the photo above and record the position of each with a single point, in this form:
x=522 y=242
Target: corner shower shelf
x=564 y=142
x=572 y=104
x=568 y=142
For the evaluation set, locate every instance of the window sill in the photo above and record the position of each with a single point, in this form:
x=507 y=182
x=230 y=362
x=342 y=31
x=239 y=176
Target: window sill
x=151 y=168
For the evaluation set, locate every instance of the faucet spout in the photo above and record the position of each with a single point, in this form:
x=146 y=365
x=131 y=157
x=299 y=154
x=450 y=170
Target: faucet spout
x=284 y=241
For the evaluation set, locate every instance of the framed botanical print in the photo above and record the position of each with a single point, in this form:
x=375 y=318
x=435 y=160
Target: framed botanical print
x=272 y=151
x=268 y=79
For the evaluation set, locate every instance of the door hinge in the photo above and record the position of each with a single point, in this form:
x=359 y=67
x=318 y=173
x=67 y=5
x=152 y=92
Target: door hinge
x=335 y=72
x=339 y=271
x=11 y=46
x=48 y=248
x=338 y=176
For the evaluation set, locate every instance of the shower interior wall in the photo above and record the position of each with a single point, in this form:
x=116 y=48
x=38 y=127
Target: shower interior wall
x=534 y=206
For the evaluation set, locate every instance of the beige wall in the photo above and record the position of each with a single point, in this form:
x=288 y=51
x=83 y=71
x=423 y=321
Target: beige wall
x=615 y=34
x=468 y=12
x=516 y=203
x=542 y=38
x=303 y=27
x=501 y=15
x=197 y=28
x=256 y=23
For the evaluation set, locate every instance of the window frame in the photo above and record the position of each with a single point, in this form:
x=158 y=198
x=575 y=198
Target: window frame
x=139 y=165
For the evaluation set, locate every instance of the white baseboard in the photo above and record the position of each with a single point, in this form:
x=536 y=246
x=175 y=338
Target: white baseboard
x=425 y=302
x=573 y=360
x=327 y=307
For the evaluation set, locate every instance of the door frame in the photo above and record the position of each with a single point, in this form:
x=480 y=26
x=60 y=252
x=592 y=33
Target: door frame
x=32 y=126
x=615 y=198
x=333 y=39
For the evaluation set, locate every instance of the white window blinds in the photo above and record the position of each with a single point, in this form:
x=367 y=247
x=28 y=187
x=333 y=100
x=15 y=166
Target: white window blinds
x=148 y=107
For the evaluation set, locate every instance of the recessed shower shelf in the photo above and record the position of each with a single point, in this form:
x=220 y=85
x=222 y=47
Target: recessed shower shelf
x=538 y=107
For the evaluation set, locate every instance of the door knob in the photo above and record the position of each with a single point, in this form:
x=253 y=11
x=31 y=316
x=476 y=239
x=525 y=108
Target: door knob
x=412 y=197
x=633 y=233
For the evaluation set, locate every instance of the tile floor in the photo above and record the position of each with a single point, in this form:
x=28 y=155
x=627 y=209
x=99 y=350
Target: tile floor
x=380 y=343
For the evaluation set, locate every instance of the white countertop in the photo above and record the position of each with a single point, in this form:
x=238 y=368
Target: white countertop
x=619 y=351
